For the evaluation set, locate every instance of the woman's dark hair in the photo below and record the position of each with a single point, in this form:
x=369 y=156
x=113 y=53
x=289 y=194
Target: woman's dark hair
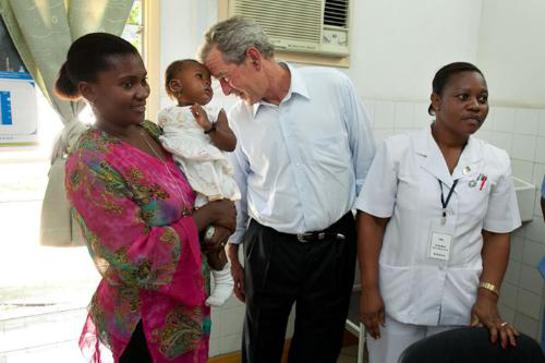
x=443 y=75
x=86 y=57
x=173 y=70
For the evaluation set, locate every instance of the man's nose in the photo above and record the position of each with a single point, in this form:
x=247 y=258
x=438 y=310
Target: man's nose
x=226 y=87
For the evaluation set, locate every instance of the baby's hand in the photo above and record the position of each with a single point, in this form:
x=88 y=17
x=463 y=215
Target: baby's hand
x=200 y=116
x=222 y=119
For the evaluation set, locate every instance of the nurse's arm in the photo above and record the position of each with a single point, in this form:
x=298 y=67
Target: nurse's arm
x=370 y=234
x=495 y=256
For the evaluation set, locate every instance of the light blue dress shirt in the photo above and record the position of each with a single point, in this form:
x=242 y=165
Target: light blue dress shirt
x=301 y=164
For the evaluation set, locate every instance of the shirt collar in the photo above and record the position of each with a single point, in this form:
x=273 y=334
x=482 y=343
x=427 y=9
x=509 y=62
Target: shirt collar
x=426 y=146
x=297 y=86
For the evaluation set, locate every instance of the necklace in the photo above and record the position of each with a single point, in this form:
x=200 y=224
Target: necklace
x=186 y=210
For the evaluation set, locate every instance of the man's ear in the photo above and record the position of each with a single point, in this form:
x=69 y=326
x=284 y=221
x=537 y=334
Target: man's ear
x=255 y=57
x=175 y=86
x=435 y=102
x=87 y=91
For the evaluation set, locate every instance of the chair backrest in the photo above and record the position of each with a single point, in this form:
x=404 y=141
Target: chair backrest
x=470 y=345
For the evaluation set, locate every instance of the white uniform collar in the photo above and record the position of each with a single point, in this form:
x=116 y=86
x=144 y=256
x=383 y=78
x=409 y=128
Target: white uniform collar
x=434 y=162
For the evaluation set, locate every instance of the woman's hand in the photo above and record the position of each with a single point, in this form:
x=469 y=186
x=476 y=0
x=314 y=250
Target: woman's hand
x=218 y=213
x=372 y=311
x=485 y=313
x=219 y=239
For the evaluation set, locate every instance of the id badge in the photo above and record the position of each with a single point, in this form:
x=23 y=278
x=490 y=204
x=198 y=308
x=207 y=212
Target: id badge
x=439 y=245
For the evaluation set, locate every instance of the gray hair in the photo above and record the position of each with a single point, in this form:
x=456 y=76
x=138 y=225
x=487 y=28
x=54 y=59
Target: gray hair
x=233 y=37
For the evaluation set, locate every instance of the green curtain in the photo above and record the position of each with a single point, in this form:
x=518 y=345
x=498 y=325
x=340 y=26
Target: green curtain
x=42 y=31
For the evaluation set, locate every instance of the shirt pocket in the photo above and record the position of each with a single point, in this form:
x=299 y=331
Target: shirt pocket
x=473 y=196
x=331 y=152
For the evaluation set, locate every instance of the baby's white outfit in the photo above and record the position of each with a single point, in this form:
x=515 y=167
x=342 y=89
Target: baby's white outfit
x=204 y=165
x=206 y=169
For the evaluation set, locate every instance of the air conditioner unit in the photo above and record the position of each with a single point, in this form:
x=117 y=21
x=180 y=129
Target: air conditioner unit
x=301 y=26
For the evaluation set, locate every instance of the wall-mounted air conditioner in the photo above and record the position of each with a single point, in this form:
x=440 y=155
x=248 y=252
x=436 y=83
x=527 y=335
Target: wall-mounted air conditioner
x=319 y=27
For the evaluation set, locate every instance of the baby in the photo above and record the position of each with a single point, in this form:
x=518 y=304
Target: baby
x=198 y=144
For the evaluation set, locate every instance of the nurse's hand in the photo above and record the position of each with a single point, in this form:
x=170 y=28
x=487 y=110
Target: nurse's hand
x=372 y=311
x=485 y=313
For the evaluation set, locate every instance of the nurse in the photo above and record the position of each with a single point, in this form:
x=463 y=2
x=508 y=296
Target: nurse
x=434 y=222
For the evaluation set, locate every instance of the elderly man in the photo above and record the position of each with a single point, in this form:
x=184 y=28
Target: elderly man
x=304 y=147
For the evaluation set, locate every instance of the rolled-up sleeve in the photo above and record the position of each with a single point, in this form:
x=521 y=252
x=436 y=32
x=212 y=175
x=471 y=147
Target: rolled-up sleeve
x=378 y=194
x=361 y=140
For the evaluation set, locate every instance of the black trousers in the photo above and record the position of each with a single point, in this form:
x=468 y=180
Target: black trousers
x=137 y=349
x=317 y=276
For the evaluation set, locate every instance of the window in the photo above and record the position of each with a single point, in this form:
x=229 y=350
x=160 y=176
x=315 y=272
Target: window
x=44 y=291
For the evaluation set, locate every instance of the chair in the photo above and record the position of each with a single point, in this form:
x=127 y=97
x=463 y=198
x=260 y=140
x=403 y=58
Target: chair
x=471 y=345
x=353 y=323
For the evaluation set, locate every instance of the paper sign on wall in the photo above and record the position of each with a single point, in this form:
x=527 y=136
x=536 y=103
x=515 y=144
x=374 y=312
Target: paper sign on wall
x=18 y=108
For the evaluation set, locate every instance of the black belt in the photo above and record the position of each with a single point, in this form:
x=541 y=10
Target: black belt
x=330 y=233
x=319 y=236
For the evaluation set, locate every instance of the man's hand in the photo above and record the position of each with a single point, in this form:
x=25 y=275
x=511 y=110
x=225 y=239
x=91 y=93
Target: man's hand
x=237 y=271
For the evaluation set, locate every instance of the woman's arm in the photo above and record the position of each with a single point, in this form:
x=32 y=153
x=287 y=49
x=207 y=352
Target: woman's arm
x=125 y=247
x=495 y=256
x=221 y=212
x=370 y=234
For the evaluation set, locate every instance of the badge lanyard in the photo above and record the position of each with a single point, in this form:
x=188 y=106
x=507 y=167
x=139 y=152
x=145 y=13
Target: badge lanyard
x=444 y=202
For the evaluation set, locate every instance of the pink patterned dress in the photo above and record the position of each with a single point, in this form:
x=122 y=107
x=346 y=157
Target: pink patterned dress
x=130 y=206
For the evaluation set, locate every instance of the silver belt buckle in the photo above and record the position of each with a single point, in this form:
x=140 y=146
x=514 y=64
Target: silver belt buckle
x=340 y=236
x=302 y=237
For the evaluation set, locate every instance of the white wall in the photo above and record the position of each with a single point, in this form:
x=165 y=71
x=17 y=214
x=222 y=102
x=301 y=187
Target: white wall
x=512 y=51
x=183 y=23
x=398 y=45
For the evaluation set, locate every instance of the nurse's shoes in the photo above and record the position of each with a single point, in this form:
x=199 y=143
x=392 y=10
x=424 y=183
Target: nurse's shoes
x=223 y=286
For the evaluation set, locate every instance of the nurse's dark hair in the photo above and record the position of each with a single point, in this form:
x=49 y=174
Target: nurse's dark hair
x=443 y=75
x=87 y=56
